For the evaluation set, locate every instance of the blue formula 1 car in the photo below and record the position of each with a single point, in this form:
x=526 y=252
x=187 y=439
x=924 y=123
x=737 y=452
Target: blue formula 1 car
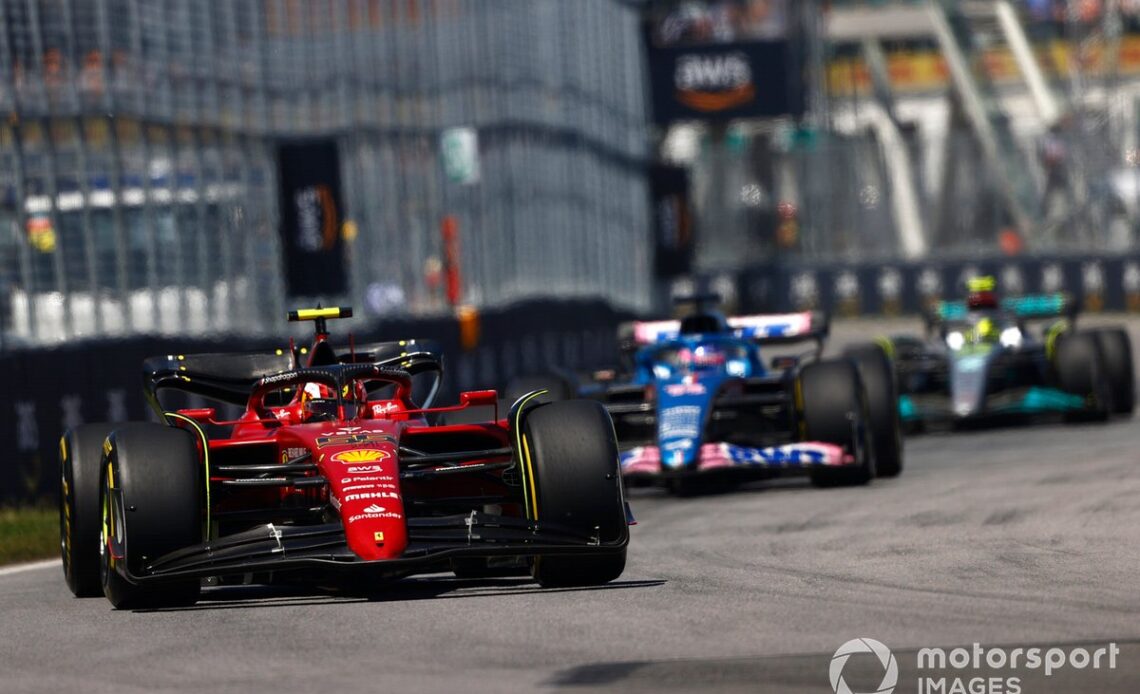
x=696 y=400
x=981 y=360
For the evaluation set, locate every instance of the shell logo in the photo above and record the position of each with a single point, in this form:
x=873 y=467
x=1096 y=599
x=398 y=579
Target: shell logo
x=360 y=455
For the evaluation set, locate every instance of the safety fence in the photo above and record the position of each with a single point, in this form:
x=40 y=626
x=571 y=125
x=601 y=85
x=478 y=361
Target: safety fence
x=139 y=182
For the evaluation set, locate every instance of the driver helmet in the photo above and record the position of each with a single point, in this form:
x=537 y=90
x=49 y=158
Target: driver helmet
x=318 y=402
x=981 y=293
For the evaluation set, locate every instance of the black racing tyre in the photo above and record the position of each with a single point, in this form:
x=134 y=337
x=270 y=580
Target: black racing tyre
x=559 y=387
x=80 y=452
x=151 y=504
x=1116 y=350
x=881 y=386
x=1079 y=368
x=577 y=482
x=833 y=409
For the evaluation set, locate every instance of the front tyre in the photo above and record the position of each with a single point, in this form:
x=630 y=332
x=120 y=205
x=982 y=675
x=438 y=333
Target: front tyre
x=151 y=503
x=833 y=409
x=1116 y=351
x=881 y=386
x=571 y=455
x=1080 y=370
x=80 y=451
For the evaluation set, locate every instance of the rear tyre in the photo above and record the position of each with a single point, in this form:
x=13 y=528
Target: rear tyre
x=1116 y=350
x=881 y=386
x=573 y=457
x=834 y=410
x=151 y=503
x=1080 y=370
x=80 y=452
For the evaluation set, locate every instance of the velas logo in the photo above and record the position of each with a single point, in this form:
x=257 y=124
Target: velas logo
x=360 y=455
x=714 y=82
x=855 y=647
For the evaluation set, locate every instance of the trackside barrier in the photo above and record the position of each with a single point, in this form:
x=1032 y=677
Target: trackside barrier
x=1096 y=282
x=49 y=390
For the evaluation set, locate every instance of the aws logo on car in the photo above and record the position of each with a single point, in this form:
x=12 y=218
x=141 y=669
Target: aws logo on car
x=360 y=455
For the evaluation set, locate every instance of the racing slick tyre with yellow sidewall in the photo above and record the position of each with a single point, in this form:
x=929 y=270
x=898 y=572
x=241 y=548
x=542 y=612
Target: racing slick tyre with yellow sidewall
x=151 y=504
x=1116 y=349
x=571 y=455
x=80 y=452
x=833 y=409
x=881 y=386
x=1080 y=370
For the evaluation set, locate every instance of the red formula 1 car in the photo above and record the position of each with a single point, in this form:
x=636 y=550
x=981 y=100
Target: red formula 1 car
x=335 y=475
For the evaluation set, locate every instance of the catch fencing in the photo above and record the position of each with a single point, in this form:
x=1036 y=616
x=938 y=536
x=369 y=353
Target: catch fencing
x=138 y=172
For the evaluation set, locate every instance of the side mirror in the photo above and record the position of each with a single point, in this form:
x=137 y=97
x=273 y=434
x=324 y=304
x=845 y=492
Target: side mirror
x=474 y=398
x=200 y=414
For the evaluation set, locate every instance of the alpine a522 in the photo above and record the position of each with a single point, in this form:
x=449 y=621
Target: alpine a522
x=697 y=400
x=334 y=474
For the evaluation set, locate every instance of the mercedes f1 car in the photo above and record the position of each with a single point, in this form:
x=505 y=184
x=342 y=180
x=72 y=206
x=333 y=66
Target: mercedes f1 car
x=334 y=475
x=696 y=401
x=982 y=359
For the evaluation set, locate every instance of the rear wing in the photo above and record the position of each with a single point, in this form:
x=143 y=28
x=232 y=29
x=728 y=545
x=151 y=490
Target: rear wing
x=1027 y=307
x=765 y=329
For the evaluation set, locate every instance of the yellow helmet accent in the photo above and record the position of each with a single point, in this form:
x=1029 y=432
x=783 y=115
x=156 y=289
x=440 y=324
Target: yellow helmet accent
x=985 y=283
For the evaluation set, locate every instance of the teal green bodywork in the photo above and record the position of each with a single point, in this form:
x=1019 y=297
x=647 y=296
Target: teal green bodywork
x=1035 y=400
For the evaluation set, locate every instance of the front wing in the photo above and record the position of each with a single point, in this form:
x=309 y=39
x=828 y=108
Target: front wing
x=647 y=461
x=323 y=549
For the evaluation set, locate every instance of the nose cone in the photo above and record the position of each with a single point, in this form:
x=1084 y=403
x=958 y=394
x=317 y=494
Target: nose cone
x=968 y=384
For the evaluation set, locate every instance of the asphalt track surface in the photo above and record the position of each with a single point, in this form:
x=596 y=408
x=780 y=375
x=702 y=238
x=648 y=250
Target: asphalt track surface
x=1015 y=537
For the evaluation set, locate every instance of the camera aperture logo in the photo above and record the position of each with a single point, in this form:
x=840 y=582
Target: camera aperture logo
x=976 y=669
x=854 y=647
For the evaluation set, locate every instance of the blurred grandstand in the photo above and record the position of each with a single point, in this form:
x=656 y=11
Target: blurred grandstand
x=139 y=178
x=939 y=128
x=145 y=185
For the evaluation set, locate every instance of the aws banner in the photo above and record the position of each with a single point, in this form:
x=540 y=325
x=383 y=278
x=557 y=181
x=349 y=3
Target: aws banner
x=311 y=217
x=756 y=79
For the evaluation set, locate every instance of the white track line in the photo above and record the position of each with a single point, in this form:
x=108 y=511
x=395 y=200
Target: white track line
x=31 y=566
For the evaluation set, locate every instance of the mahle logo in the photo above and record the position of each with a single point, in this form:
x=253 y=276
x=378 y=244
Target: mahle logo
x=855 y=647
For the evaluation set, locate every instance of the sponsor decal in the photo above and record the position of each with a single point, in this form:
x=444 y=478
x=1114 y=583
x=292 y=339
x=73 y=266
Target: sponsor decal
x=357 y=487
x=680 y=422
x=367 y=496
x=288 y=454
x=360 y=455
x=679 y=444
x=336 y=439
x=679 y=389
x=373 y=511
x=277 y=378
x=378 y=537
x=363 y=469
x=368 y=478
x=714 y=82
